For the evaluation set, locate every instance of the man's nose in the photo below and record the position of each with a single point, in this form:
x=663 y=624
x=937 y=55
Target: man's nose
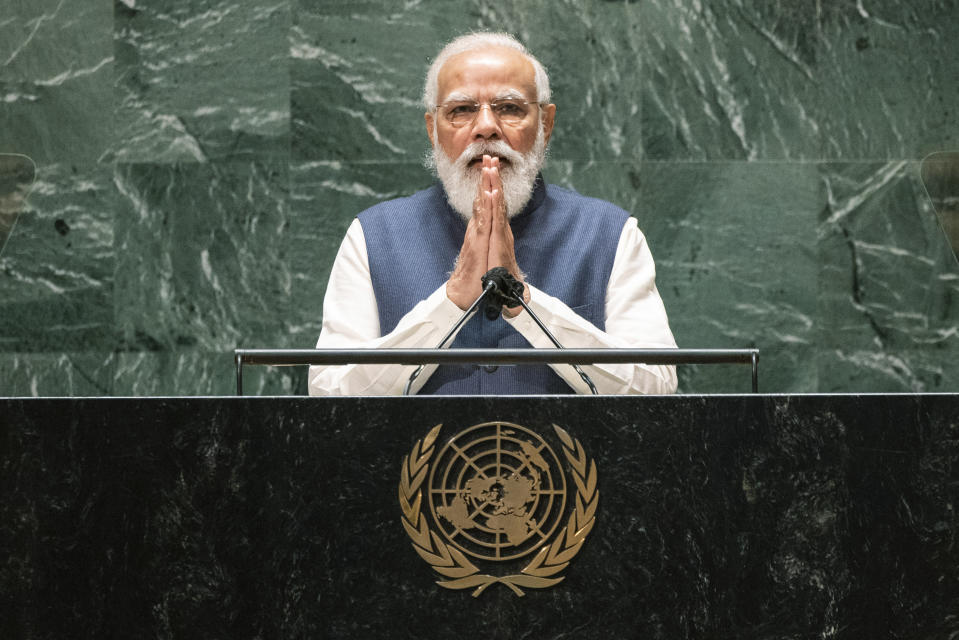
x=486 y=125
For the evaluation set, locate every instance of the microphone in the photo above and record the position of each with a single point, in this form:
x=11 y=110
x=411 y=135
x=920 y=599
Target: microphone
x=503 y=289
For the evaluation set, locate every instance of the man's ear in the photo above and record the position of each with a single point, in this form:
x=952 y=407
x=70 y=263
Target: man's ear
x=430 y=128
x=549 y=117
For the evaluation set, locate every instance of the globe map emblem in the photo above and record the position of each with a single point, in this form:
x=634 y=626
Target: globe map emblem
x=497 y=491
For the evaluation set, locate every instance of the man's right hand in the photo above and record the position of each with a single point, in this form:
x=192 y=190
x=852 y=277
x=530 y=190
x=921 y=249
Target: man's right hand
x=465 y=283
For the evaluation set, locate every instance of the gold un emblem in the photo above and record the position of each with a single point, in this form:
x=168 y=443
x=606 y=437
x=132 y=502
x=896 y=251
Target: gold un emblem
x=496 y=494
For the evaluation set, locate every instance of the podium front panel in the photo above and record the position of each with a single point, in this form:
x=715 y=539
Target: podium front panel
x=718 y=516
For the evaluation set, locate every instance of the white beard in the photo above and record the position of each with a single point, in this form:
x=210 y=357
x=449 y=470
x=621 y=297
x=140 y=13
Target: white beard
x=461 y=181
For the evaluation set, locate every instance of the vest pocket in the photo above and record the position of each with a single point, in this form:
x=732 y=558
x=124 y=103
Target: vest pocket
x=585 y=311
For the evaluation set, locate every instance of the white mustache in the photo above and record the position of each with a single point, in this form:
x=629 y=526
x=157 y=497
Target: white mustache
x=487 y=147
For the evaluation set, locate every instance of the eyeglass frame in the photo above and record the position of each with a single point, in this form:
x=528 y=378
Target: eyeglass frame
x=480 y=105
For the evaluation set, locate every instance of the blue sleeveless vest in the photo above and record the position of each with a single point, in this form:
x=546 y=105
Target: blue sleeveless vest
x=565 y=243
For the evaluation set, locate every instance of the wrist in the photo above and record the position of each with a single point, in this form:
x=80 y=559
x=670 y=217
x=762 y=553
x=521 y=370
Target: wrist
x=457 y=294
x=512 y=312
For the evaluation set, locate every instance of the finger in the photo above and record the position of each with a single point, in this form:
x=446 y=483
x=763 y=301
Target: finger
x=484 y=187
x=496 y=181
x=487 y=182
x=487 y=191
x=498 y=210
x=476 y=222
x=482 y=218
x=496 y=186
x=489 y=198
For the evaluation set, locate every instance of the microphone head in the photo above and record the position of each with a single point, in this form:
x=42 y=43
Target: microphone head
x=505 y=284
x=502 y=289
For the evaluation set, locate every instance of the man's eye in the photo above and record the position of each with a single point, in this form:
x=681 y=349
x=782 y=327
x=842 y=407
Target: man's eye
x=509 y=109
x=463 y=109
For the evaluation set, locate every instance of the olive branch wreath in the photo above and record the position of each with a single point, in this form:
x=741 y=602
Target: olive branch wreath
x=452 y=563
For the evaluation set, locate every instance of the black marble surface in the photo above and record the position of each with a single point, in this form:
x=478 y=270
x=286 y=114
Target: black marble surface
x=719 y=517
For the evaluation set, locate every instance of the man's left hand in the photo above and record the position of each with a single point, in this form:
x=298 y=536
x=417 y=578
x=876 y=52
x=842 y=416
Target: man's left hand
x=501 y=252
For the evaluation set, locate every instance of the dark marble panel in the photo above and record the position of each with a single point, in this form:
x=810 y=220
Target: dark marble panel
x=352 y=97
x=616 y=182
x=56 y=273
x=889 y=78
x=738 y=516
x=729 y=80
x=735 y=251
x=326 y=198
x=202 y=256
x=202 y=81
x=888 y=283
x=56 y=74
x=57 y=374
x=799 y=80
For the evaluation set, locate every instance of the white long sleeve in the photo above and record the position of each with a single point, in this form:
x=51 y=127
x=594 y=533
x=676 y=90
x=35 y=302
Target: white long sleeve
x=635 y=317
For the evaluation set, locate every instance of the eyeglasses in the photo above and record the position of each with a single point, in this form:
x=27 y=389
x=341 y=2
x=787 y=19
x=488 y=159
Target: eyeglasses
x=508 y=111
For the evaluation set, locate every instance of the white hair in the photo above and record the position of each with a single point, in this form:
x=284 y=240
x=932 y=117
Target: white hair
x=474 y=42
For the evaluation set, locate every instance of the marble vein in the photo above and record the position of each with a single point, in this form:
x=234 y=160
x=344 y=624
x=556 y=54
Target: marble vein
x=72 y=74
x=870 y=187
x=37 y=23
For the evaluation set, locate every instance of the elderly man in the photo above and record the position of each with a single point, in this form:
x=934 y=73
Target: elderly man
x=408 y=268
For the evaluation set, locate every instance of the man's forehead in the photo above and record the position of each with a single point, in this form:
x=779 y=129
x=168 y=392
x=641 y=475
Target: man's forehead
x=499 y=70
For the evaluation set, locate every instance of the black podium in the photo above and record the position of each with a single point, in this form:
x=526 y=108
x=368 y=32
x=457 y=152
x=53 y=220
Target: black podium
x=718 y=517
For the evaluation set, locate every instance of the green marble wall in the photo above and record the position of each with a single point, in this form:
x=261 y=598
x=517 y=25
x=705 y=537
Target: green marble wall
x=199 y=162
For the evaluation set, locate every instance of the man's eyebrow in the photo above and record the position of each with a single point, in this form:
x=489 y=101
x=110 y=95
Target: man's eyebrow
x=510 y=94
x=459 y=96
x=505 y=94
